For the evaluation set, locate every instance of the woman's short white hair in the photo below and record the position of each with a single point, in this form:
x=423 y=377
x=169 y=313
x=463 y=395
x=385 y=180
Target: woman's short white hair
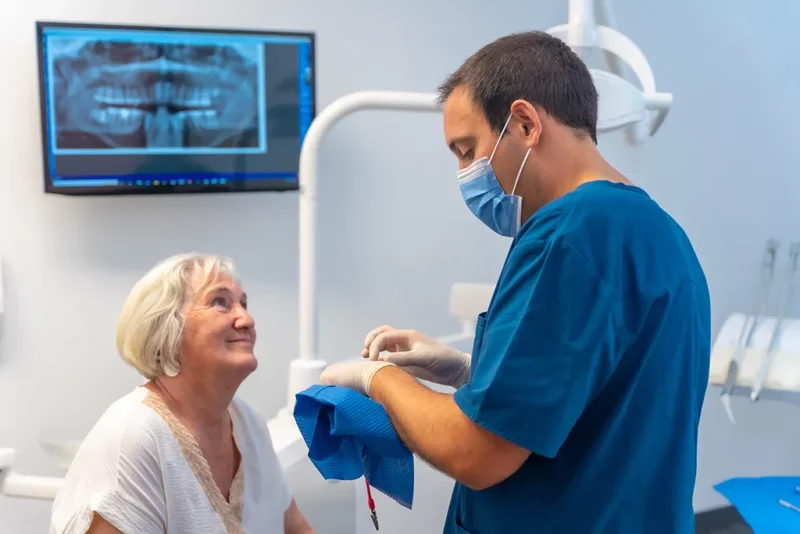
x=151 y=325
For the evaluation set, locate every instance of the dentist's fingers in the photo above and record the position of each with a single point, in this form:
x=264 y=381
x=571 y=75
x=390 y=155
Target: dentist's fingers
x=392 y=341
x=374 y=333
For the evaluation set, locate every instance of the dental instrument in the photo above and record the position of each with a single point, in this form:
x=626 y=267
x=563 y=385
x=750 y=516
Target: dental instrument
x=788 y=505
x=794 y=252
x=767 y=275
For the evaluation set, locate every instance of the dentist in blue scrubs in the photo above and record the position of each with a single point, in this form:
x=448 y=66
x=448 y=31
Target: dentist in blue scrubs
x=577 y=411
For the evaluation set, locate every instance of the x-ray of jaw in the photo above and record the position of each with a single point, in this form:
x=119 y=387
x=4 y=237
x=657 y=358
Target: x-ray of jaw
x=139 y=95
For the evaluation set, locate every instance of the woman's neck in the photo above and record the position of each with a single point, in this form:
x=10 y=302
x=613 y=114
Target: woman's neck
x=202 y=407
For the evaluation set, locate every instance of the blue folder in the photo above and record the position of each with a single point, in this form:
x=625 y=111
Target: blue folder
x=757 y=501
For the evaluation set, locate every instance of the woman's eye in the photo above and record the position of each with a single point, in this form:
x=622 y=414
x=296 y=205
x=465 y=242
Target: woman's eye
x=220 y=301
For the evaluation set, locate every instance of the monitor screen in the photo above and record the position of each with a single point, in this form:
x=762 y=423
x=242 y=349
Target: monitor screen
x=172 y=110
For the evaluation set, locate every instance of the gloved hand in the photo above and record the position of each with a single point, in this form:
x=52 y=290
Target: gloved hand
x=418 y=355
x=353 y=375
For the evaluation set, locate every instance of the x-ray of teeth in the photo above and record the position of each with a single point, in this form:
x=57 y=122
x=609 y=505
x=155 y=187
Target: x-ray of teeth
x=125 y=95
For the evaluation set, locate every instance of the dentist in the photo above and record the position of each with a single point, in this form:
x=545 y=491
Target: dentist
x=578 y=409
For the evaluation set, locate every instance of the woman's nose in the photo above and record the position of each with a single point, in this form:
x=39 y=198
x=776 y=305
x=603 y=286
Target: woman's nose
x=244 y=319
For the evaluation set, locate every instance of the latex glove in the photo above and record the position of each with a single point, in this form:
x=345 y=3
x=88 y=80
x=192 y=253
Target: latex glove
x=353 y=375
x=418 y=355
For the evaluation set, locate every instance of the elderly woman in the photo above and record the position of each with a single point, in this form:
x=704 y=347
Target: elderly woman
x=181 y=454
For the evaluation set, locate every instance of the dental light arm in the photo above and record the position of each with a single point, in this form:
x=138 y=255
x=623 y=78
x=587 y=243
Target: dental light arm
x=305 y=370
x=605 y=17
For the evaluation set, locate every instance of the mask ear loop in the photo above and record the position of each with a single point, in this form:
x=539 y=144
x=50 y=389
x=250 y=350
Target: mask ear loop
x=497 y=144
x=524 y=160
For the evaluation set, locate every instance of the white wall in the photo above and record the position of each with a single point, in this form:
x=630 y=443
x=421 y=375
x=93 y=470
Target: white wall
x=394 y=233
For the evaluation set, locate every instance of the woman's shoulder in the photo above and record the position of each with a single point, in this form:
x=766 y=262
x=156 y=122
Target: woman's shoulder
x=127 y=425
x=116 y=466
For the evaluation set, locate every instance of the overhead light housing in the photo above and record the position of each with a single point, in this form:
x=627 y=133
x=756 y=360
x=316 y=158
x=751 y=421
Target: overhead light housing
x=621 y=104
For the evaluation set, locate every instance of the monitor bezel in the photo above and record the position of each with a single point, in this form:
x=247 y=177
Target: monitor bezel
x=232 y=186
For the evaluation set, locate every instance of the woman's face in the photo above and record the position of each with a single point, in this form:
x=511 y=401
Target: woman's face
x=219 y=333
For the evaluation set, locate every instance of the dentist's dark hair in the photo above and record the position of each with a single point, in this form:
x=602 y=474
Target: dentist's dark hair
x=532 y=66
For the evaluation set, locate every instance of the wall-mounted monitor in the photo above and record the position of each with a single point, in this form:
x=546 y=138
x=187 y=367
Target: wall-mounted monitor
x=172 y=110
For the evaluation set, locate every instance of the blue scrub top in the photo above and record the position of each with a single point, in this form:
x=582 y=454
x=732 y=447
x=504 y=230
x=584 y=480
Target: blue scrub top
x=594 y=356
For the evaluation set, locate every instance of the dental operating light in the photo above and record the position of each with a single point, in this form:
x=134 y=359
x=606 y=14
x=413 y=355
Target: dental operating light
x=621 y=104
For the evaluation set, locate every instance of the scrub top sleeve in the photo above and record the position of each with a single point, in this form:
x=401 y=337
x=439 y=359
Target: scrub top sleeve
x=549 y=345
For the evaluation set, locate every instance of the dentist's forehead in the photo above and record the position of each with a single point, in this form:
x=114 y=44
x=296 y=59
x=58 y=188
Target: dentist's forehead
x=463 y=119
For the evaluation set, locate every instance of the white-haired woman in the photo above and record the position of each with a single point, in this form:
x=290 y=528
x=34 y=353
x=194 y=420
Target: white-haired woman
x=181 y=454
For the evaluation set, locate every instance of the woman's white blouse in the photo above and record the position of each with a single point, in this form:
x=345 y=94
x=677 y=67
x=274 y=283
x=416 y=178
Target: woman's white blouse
x=143 y=472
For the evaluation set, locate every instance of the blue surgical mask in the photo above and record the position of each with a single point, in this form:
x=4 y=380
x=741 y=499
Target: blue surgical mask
x=486 y=199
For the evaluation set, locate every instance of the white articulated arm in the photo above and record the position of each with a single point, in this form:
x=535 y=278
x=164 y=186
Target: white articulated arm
x=581 y=31
x=305 y=370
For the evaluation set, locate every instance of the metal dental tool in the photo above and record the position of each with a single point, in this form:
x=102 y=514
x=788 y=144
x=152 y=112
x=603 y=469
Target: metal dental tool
x=788 y=505
x=767 y=275
x=794 y=253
